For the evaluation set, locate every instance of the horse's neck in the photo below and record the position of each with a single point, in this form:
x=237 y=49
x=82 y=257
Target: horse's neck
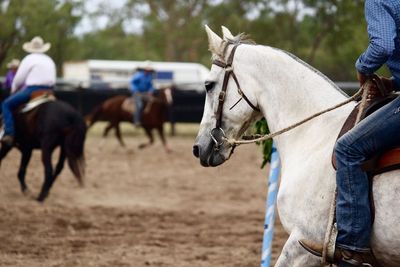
x=292 y=91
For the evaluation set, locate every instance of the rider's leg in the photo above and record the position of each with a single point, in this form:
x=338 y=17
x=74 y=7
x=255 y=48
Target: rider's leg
x=138 y=108
x=375 y=134
x=9 y=105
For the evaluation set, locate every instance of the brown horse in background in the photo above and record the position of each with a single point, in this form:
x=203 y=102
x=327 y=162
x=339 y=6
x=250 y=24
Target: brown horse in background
x=154 y=115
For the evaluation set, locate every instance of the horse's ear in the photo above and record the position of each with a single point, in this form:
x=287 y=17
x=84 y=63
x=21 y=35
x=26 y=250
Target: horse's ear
x=227 y=33
x=214 y=41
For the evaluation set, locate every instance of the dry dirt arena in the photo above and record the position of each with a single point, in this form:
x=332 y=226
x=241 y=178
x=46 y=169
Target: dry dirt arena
x=138 y=208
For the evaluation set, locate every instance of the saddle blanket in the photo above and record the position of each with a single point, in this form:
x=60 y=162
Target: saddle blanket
x=37 y=101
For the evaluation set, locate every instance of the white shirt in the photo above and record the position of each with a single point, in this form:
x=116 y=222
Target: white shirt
x=35 y=69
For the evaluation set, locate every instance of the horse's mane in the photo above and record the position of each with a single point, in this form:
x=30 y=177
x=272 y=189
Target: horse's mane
x=241 y=38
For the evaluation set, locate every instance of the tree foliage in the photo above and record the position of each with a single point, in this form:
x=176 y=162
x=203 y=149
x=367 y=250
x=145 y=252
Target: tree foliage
x=329 y=34
x=21 y=20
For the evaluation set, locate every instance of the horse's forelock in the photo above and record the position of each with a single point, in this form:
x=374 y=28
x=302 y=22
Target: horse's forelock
x=220 y=52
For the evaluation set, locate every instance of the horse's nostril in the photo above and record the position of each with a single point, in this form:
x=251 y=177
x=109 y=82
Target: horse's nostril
x=196 y=151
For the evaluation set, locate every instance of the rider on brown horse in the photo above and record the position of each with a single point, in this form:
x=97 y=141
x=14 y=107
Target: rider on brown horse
x=36 y=72
x=142 y=88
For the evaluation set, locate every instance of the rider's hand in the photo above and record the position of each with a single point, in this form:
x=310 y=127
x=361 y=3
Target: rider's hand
x=373 y=90
x=362 y=78
x=379 y=87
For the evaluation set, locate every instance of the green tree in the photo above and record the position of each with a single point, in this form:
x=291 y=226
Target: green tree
x=53 y=20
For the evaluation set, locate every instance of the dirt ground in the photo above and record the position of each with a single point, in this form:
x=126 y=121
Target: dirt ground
x=138 y=208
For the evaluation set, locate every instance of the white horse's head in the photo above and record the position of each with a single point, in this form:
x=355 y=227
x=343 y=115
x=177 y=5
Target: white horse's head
x=231 y=104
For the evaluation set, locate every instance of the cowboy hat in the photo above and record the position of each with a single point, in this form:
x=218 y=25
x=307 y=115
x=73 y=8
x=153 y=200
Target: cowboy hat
x=36 y=45
x=14 y=63
x=147 y=66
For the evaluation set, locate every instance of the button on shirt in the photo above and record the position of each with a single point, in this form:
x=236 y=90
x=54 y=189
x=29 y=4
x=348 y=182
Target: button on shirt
x=383 y=19
x=35 y=69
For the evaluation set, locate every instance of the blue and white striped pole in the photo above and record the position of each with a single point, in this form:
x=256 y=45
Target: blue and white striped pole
x=270 y=213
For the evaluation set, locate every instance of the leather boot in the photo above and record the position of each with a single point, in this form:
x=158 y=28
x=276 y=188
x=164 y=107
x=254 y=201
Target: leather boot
x=351 y=258
x=7 y=140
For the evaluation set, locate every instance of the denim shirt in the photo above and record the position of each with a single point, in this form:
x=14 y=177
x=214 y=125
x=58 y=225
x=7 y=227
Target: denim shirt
x=142 y=82
x=383 y=19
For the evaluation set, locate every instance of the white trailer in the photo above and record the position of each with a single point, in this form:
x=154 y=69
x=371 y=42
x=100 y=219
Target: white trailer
x=105 y=74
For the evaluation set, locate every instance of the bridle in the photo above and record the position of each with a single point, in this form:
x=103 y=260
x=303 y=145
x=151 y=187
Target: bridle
x=218 y=134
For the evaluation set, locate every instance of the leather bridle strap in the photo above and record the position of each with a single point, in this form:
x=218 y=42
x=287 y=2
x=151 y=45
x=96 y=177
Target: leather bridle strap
x=221 y=98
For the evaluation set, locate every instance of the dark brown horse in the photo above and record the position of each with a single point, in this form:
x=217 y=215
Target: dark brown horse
x=116 y=110
x=52 y=124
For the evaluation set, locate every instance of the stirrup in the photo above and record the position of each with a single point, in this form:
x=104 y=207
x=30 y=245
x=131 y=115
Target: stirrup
x=328 y=253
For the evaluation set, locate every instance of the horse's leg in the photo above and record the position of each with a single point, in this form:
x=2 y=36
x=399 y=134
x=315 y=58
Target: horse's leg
x=105 y=133
x=150 y=136
x=26 y=156
x=60 y=163
x=107 y=129
x=4 y=151
x=295 y=256
x=160 y=130
x=118 y=135
x=48 y=173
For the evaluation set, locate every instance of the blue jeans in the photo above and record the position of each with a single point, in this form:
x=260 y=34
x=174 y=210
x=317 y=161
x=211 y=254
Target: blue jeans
x=377 y=133
x=13 y=102
x=138 y=107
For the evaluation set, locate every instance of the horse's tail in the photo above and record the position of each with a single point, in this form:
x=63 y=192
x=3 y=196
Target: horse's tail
x=74 y=149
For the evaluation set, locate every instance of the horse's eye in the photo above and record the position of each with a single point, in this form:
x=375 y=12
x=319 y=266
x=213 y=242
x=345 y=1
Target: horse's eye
x=209 y=85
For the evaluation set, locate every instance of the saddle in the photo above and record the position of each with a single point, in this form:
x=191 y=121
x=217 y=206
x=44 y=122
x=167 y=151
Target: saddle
x=128 y=105
x=37 y=98
x=380 y=163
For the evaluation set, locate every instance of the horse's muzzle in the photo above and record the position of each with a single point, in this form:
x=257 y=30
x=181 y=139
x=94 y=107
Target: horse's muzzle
x=205 y=150
x=196 y=151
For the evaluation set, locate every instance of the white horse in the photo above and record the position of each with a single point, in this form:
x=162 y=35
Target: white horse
x=288 y=90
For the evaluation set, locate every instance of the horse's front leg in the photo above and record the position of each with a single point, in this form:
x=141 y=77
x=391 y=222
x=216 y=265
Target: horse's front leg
x=48 y=174
x=26 y=156
x=107 y=129
x=150 y=136
x=160 y=130
x=294 y=255
x=118 y=135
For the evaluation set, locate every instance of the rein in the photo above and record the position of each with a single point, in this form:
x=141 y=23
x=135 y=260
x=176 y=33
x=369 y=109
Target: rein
x=258 y=138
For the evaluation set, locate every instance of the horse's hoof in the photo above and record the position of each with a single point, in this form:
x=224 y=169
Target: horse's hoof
x=25 y=191
x=142 y=146
x=41 y=198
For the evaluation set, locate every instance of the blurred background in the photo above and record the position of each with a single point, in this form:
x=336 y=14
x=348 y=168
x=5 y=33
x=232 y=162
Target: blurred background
x=328 y=34
x=97 y=44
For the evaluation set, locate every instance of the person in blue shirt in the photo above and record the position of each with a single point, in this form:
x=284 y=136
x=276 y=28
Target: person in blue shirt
x=368 y=138
x=141 y=88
